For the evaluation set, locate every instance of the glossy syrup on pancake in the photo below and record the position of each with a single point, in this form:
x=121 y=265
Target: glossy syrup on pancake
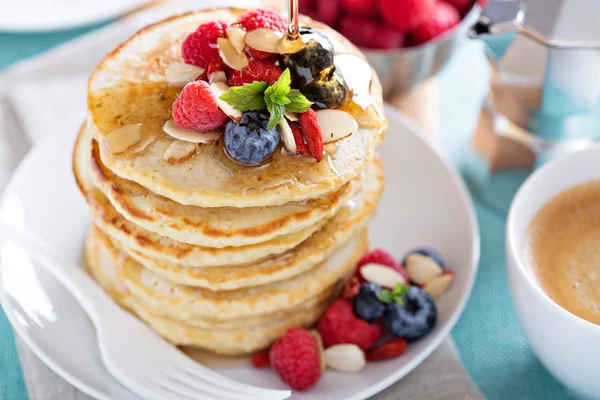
x=121 y=105
x=210 y=178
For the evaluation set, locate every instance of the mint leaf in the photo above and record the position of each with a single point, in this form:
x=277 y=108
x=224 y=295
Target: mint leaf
x=400 y=290
x=280 y=88
x=298 y=102
x=276 y=111
x=385 y=296
x=247 y=97
x=399 y=300
x=279 y=98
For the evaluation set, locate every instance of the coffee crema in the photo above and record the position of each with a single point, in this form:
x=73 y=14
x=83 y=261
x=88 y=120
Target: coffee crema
x=563 y=245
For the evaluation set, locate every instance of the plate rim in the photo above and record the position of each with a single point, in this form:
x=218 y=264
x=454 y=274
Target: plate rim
x=421 y=135
x=23 y=26
x=381 y=385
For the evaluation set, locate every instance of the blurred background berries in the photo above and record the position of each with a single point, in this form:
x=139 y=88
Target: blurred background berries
x=389 y=24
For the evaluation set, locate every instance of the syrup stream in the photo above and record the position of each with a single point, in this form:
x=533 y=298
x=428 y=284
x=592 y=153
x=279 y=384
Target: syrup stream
x=293 y=20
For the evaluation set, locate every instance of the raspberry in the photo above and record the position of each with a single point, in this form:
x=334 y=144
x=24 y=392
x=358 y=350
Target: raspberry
x=328 y=11
x=462 y=6
x=391 y=349
x=381 y=257
x=199 y=47
x=360 y=8
x=311 y=131
x=351 y=288
x=443 y=18
x=196 y=108
x=295 y=358
x=405 y=15
x=215 y=65
x=263 y=18
x=370 y=34
x=257 y=70
x=301 y=147
x=260 y=360
x=339 y=325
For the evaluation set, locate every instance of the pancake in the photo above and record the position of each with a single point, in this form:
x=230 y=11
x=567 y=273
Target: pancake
x=351 y=219
x=211 y=227
x=156 y=246
x=239 y=340
x=206 y=309
x=128 y=87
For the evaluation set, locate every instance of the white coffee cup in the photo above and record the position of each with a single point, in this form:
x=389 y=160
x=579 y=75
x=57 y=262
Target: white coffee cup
x=566 y=344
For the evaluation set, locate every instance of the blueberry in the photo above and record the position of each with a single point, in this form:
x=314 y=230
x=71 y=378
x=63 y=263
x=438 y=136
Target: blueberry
x=366 y=303
x=315 y=57
x=327 y=92
x=249 y=141
x=427 y=252
x=415 y=318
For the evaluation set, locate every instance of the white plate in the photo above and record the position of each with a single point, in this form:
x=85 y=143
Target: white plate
x=50 y=15
x=424 y=203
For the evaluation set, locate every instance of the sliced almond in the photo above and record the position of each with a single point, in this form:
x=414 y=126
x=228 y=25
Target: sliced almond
x=218 y=76
x=336 y=125
x=186 y=135
x=236 y=36
x=287 y=136
x=181 y=74
x=230 y=56
x=345 y=358
x=421 y=269
x=264 y=40
x=218 y=89
x=124 y=137
x=440 y=284
x=179 y=151
x=382 y=275
x=319 y=340
x=141 y=145
x=290 y=116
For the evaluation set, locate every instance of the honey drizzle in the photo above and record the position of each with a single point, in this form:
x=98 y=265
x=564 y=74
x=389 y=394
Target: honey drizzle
x=292 y=41
x=293 y=20
x=149 y=103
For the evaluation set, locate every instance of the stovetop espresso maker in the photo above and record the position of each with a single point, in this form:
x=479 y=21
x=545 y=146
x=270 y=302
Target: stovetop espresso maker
x=568 y=114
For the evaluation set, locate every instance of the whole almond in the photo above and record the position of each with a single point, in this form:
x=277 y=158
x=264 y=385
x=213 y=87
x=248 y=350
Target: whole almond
x=345 y=358
x=440 y=284
x=421 y=269
x=317 y=337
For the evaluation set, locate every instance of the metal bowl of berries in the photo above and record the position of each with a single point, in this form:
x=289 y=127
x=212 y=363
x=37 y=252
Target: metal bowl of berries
x=406 y=41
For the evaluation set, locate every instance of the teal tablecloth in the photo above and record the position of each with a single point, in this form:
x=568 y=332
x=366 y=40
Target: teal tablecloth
x=491 y=342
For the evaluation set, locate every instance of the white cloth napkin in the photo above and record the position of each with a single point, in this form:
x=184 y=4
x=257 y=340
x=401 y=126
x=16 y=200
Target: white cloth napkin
x=44 y=93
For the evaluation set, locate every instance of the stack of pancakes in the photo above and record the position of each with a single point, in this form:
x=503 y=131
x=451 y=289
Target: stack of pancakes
x=211 y=253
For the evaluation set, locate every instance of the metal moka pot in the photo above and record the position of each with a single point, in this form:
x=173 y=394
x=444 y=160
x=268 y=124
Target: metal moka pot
x=569 y=111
